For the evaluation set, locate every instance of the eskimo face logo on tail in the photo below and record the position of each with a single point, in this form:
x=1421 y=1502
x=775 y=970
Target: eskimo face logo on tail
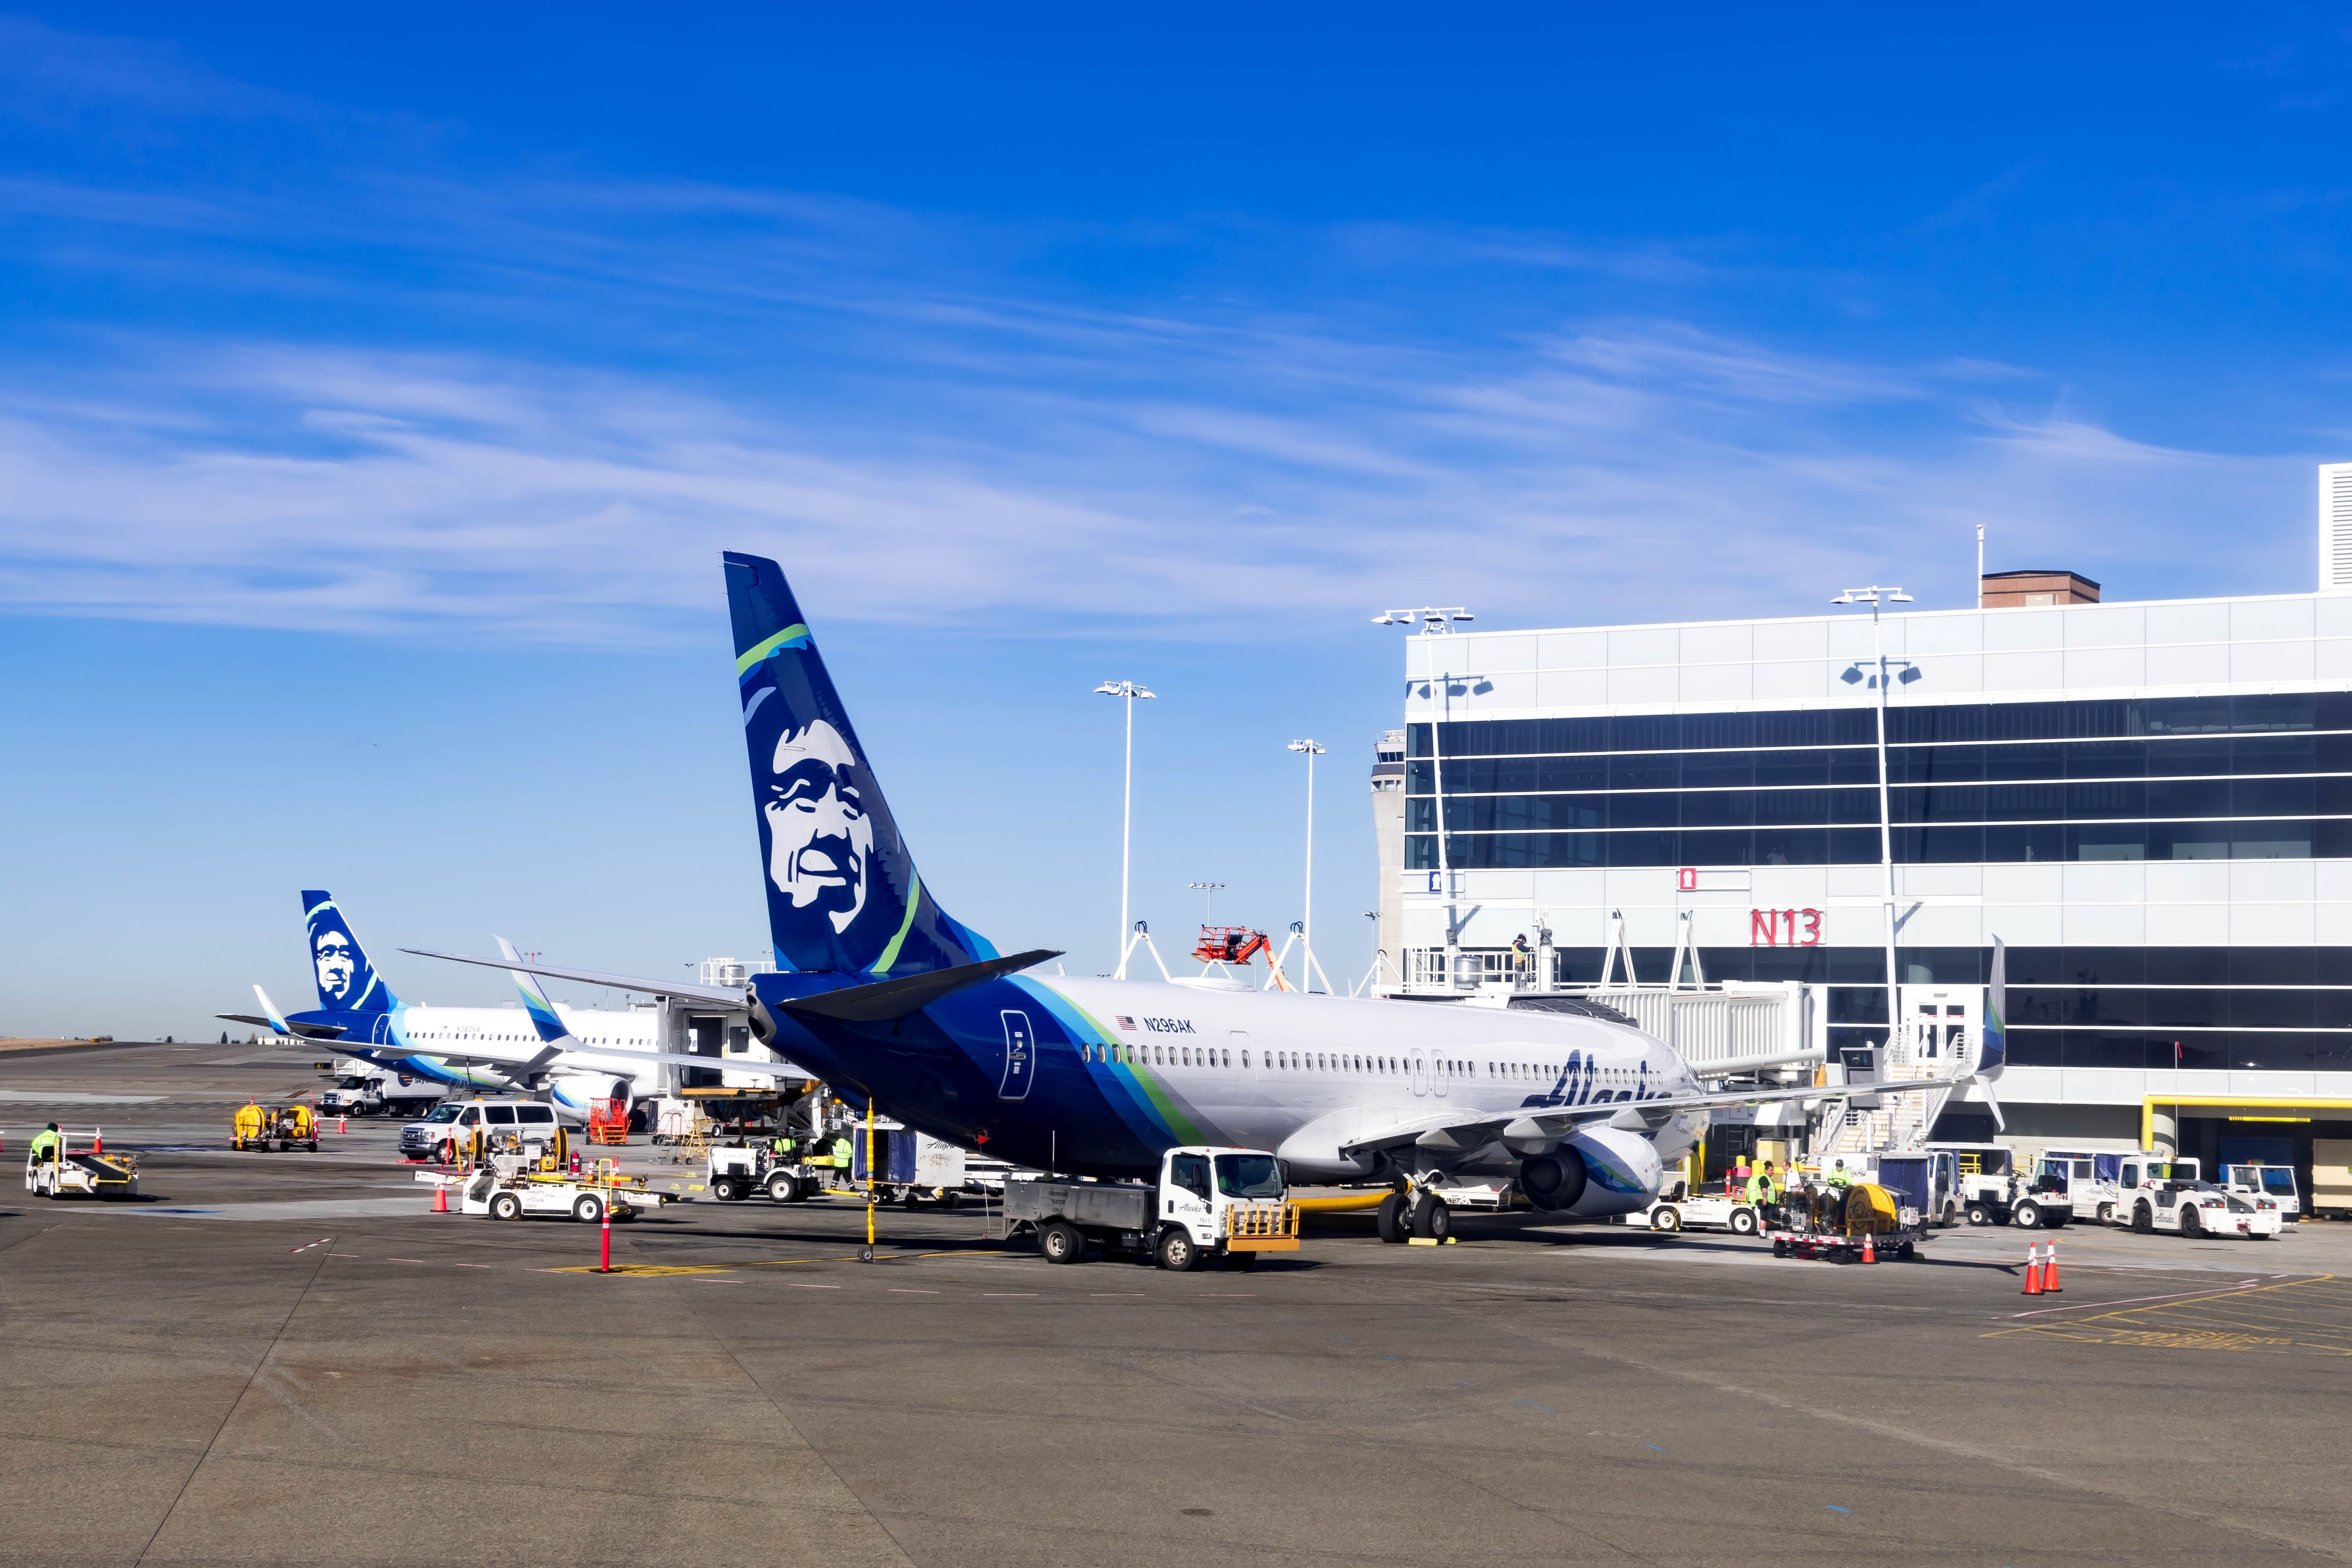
x=843 y=892
x=338 y=965
x=820 y=838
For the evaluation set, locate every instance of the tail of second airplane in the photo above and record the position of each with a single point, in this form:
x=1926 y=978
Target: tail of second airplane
x=347 y=981
x=843 y=891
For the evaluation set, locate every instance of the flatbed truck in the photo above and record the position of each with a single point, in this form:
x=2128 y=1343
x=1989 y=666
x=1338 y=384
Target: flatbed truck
x=1209 y=1202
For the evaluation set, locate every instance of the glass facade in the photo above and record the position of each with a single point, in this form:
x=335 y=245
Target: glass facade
x=2237 y=777
x=2279 y=1008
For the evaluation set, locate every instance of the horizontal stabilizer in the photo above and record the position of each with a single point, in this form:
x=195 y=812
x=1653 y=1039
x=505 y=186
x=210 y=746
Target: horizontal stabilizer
x=306 y=1031
x=722 y=995
x=888 y=999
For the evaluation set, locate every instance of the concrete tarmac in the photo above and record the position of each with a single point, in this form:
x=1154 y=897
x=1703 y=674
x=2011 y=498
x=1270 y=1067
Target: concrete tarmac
x=284 y=1357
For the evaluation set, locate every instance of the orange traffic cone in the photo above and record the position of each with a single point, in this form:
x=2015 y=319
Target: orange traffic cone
x=2050 y=1286
x=343 y=1124
x=440 y=1197
x=1869 y=1246
x=97 y=1141
x=2032 y=1270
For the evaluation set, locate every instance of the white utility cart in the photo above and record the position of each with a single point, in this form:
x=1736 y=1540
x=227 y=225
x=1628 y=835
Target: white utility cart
x=515 y=1186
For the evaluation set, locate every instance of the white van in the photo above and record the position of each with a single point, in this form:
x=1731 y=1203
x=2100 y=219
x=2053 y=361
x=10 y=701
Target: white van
x=449 y=1131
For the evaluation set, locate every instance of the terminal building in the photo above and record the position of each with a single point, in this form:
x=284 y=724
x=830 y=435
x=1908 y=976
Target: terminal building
x=2148 y=804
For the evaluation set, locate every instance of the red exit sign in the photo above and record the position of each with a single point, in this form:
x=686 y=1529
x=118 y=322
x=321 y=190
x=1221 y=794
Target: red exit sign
x=1784 y=928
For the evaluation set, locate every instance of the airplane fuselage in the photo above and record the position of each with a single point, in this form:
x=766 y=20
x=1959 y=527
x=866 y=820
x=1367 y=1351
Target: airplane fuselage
x=1100 y=1077
x=463 y=1048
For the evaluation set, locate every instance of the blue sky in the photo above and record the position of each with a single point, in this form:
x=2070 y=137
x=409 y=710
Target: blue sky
x=374 y=399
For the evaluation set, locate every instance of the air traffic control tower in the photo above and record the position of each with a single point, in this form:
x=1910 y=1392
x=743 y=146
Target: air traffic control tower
x=2149 y=803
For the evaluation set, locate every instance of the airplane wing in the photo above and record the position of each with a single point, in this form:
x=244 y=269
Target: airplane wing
x=720 y=994
x=1463 y=1133
x=276 y=1022
x=294 y=1031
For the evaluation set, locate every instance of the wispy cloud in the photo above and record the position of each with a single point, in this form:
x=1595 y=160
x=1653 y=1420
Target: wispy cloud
x=956 y=421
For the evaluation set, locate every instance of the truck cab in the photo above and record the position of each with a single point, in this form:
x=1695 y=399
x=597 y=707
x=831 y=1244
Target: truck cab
x=1209 y=1202
x=2275 y=1183
x=361 y=1089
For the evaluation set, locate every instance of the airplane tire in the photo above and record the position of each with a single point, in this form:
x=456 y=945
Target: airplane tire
x=1062 y=1242
x=1432 y=1220
x=1391 y=1218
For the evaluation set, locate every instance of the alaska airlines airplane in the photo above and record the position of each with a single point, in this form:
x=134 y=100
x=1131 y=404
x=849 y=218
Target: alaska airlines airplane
x=1100 y=1077
x=571 y=1055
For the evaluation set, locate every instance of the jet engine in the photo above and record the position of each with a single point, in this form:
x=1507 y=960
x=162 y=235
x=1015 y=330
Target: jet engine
x=574 y=1091
x=1599 y=1170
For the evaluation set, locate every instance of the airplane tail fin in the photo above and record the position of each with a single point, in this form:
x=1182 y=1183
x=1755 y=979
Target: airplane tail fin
x=843 y=891
x=543 y=1015
x=347 y=981
x=1992 y=1033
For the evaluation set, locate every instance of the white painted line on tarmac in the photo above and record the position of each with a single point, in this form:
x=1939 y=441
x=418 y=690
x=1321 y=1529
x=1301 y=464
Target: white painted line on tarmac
x=74 y=1097
x=2212 y=1290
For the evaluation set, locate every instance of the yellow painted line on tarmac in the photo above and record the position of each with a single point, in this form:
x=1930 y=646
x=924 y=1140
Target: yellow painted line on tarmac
x=2241 y=1317
x=647 y=1270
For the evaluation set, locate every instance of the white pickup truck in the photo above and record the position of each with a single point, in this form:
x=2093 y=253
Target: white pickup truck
x=1208 y=1202
x=2166 y=1195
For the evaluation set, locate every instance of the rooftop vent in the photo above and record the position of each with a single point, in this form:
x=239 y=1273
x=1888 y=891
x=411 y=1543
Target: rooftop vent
x=2009 y=590
x=2336 y=528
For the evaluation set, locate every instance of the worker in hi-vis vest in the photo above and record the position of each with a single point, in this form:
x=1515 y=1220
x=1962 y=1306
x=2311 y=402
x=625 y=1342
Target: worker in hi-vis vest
x=1841 y=1177
x=45 y=1143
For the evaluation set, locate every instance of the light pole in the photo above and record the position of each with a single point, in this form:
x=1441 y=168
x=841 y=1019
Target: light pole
x=1431 y=623
x=1208 y=891
x=1129 y=691
x=1873 y=596
x=1310 y=749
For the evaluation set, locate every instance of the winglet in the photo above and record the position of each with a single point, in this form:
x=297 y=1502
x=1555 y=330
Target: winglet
x=543 y=1015
x=269 y=1011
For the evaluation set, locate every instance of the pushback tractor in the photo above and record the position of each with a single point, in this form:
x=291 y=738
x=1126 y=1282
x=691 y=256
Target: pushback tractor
x=1208 y=1203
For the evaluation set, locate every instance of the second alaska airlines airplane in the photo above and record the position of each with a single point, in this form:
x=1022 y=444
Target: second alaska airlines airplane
x=1100 y=1077
x=572 y=1054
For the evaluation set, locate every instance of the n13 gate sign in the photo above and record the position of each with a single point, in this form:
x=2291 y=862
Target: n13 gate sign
x=1784 y=928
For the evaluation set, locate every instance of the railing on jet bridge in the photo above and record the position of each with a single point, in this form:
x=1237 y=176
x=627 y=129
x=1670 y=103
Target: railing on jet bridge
x=1719 y=1022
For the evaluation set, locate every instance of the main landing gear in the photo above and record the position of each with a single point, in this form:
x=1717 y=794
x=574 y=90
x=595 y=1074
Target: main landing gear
x=1414 y=1214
